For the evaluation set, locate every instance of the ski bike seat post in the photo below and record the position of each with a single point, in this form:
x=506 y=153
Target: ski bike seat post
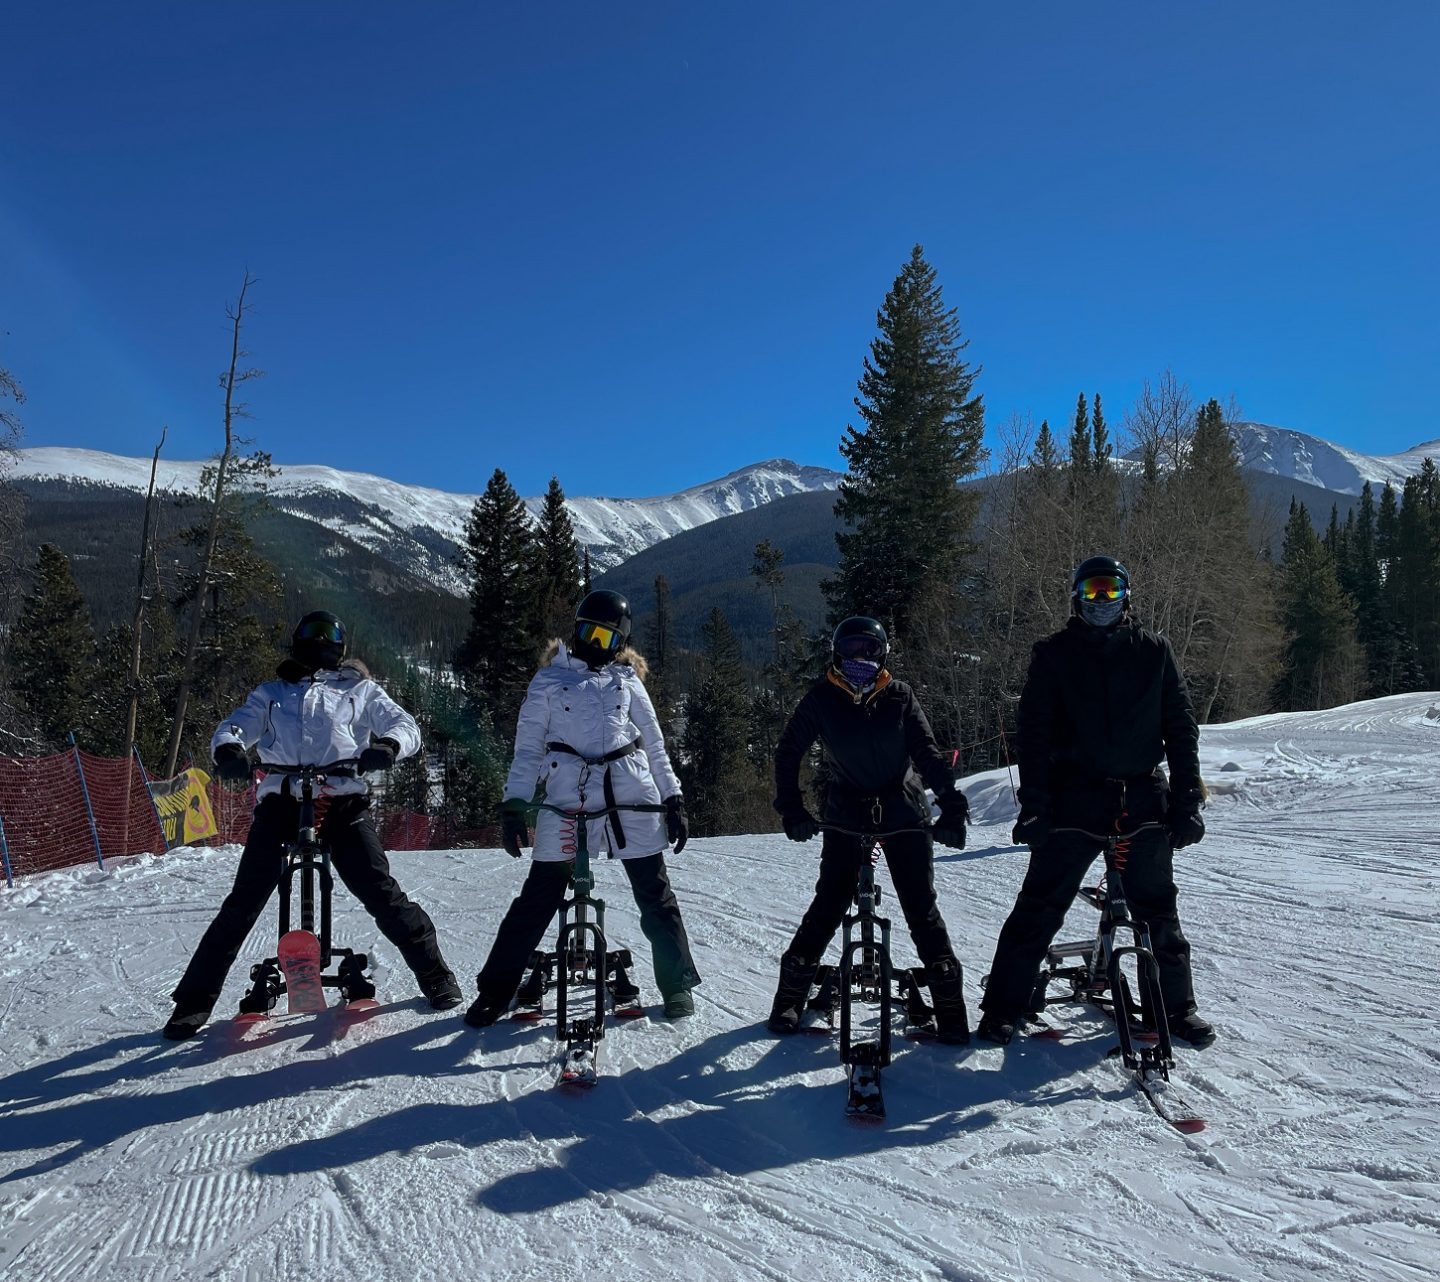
x=306 y=856
x=1109 y=954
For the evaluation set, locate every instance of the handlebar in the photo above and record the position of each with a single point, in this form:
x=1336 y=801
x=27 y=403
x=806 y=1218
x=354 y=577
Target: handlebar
x=646 y=808
x=851 y=832
x=346 y=767
x=1112 y=836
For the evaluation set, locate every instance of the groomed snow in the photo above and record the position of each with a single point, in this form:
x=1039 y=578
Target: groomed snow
x=416 y=1149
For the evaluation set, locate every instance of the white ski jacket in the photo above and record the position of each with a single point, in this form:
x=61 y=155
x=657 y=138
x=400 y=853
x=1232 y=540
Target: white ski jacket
x=595 y=714
x=318 y=720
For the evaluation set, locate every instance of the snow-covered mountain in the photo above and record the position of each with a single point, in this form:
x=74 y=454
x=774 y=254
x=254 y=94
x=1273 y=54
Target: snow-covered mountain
x=408 y=1147
x=421 y=528
x=1282 y=451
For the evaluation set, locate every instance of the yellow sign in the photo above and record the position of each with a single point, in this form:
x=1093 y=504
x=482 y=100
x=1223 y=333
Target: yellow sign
x=184 y=806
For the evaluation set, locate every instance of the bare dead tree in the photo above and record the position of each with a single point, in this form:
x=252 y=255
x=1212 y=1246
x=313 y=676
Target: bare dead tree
x=229 y=382
x=138 y=623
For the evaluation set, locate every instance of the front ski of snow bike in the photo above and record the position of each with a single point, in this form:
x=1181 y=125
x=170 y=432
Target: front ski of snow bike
x=306 y=951
x=866 y=979
x=583 y=968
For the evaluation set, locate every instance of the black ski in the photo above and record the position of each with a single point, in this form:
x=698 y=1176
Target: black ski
x=864 y=1100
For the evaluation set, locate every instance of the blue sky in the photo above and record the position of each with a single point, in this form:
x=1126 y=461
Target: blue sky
x=640 y=245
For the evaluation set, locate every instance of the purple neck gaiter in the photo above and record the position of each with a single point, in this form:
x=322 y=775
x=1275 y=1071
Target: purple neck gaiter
x=860 y=673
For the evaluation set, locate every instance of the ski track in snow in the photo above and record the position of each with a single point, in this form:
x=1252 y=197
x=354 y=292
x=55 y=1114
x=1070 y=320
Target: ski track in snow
x=406 y=1146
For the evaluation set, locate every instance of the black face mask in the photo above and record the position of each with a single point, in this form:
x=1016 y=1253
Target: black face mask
x=313 y=655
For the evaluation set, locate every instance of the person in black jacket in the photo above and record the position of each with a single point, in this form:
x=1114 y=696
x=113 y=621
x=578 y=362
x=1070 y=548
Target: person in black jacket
x=1102 y=704
x=876 y=739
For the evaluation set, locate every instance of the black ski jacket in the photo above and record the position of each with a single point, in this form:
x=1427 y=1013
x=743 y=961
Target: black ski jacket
x=1100 y=710
x=874 y=746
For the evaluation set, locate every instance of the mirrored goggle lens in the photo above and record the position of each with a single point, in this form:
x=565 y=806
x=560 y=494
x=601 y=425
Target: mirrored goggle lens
x=1103 y=587
x=320 y=630
x=861 y=646
x=598 y=635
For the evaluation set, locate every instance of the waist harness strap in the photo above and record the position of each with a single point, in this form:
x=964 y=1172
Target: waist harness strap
x=555 y=745
x=616 y=830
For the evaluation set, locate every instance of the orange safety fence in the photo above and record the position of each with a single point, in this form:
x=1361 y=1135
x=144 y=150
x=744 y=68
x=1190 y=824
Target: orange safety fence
x=73 y=807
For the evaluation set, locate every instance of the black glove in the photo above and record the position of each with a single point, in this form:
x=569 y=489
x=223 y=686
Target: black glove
x=677 y=828
x=232 y=765
x=1031 y=829
x=513 y=831
x=949 y=829
x=1186 y=828
x=380 y=755
x=800 y=825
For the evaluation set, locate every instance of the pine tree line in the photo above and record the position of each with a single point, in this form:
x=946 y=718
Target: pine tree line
x=964 y=587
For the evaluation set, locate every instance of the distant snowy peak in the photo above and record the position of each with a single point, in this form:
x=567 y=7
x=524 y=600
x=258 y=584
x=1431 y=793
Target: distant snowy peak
x=1282 y=451
x=382 y=511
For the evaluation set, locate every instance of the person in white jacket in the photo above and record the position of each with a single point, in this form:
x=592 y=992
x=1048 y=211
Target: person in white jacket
x=588 y=737
x=322 y=710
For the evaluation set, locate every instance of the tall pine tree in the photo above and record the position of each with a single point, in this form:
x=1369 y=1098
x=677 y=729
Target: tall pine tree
x=497 y=657
x=557 y=588
x=717 y=774
x=52 y=652
x=1322 y=665
x=908 y=521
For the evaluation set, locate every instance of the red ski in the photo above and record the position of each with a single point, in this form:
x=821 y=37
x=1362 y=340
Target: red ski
x=299 y=955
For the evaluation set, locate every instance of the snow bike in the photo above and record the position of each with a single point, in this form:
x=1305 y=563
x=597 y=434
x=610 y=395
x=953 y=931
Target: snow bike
x=1094 y=971
x=867 y=977
x=582 y=959
x=303 y=954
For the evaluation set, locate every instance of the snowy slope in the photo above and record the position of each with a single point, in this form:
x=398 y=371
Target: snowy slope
x=381 y=511
x=415 y=1149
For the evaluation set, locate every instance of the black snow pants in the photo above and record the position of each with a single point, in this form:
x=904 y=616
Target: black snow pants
x=539 y=900
x=1051 y=883
x=911 y=861
x=357 y=858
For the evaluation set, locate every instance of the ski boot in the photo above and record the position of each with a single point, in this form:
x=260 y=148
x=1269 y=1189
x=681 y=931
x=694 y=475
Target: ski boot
x=796 y=976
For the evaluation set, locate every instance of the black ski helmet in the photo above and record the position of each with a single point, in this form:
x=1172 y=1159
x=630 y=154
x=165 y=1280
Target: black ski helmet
x=859 y=637
x=318 y=641
x=602 y=626
x=1092 y=566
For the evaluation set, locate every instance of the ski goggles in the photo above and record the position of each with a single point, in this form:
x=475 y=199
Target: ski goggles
x=1102 y=587
x=861 y=645
x=321 y=630
x=598 y=635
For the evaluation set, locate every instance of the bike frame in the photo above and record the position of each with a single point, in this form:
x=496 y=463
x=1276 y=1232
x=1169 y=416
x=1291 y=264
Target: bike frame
x=1099 y=977
x=581 y=954
x=308 y=859
x=866 y=958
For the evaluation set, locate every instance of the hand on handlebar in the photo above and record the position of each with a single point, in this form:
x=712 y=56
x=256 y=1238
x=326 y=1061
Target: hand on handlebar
x=800 y=825
x=380 y=755
x=949 y=829
x=232 y=764
x=1185 y=828
x=514 y=833
x=1031 y=829
x=677 y=826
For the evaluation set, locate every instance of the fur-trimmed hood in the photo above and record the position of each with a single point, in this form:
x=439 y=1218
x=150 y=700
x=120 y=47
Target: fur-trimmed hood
x=292 y=670
x=628 y=655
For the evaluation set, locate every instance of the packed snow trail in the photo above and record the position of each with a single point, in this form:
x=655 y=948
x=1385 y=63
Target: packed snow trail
x=409 y=1147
